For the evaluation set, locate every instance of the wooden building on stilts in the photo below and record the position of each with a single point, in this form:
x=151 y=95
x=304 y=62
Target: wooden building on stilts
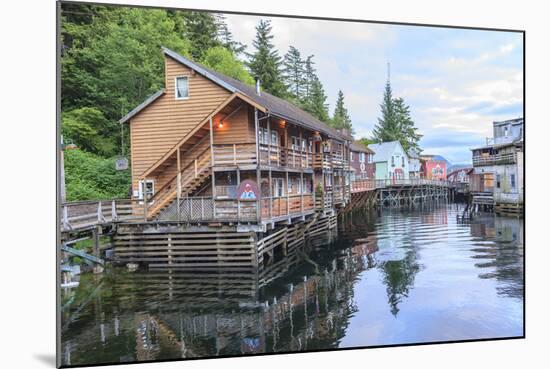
x=226 y=174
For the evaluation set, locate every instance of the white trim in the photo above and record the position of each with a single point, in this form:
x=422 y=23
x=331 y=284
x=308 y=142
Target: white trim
x=140 y=187
x=176 y=87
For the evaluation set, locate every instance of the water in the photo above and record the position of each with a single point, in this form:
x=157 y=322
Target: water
x=418 y=276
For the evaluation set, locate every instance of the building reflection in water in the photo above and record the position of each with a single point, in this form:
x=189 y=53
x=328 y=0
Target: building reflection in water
x=303 y=302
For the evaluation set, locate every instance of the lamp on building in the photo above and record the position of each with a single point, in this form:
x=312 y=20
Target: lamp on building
x=220 y=125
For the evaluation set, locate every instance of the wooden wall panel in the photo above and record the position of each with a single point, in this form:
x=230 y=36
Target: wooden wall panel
x=158 y=127
x=239 y=128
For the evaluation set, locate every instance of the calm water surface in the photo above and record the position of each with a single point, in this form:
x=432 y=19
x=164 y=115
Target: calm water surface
x=414 y=276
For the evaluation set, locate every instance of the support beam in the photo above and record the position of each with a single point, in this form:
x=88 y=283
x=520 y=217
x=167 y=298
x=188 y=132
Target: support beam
x=258 y=174
x=212 y=164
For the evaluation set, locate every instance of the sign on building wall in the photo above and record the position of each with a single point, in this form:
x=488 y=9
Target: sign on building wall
x=436 y=170
x=248 y=190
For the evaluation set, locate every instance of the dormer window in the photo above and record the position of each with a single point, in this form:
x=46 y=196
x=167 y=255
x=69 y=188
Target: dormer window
x=182 y=88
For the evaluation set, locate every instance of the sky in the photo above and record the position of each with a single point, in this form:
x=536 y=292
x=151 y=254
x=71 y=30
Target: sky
x=456 y=81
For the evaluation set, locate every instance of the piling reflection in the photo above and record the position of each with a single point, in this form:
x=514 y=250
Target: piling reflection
x=310 y=300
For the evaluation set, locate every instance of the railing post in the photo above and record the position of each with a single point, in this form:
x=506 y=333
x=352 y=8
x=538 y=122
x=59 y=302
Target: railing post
x=145 y=210
x=258 y=171
x=202 y=208
x=235 y=154
x=66 y=223
x=178 y=195
x=114 y=215
x=100 y=217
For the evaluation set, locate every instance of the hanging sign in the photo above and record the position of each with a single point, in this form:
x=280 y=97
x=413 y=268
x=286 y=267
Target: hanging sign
x=121 y=164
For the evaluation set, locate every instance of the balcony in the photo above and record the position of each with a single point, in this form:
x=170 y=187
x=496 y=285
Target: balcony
x=277 y=156
x=508 y=158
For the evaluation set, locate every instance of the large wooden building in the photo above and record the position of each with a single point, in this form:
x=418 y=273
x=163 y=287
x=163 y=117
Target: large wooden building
x=497 y=173
x=207 y=147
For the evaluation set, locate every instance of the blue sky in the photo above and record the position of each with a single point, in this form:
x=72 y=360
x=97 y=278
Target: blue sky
x=457 y=82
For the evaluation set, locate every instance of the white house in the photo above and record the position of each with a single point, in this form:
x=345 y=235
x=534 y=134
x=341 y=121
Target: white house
x=391 y=160
x=414 y=163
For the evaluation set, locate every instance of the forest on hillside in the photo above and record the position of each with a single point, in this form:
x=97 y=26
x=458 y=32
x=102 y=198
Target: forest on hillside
x=111 y=61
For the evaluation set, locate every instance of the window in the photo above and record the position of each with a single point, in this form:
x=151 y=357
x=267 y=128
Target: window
x=304 y=145
x=182 y=88
x=403 y=161
x=328 y=180
x=362 y=157
x=274 y=138
x=147 y=188
x=369 y=158
x=278 y=187
x=310 y=145
x=351 y=156
x=305 y=187
x=295 y=143
x=393 y=161
x=262 y=135
x=513 y=181
x=498 y=180
x=289 y=186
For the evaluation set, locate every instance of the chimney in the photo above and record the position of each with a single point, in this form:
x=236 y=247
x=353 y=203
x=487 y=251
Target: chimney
x=258 y=92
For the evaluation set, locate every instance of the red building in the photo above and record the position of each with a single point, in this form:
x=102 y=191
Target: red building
x=362 y=166
x=433 y=167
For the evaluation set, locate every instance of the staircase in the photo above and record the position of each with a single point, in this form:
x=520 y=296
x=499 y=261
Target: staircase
x=190 y=178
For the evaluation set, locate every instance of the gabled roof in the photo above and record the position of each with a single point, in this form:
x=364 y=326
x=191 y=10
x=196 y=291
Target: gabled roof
x=359 y=146
x=141 y=106
x=383 y=151
x=274 y=105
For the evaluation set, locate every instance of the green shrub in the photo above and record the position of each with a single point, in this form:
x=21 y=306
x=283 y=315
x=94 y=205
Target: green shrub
x=91 y=177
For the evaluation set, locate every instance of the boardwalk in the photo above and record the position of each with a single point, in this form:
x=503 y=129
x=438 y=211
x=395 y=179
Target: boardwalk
x=85 y=215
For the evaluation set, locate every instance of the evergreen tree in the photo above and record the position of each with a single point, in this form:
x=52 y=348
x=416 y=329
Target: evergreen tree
x=316 y=104
x=265 y=62
x=309 y=76
x=226 y=37
x=408 y=135
x=201 y=29
x=386 y=130
x=341 y=118
x=294 y=73
x=396 y=123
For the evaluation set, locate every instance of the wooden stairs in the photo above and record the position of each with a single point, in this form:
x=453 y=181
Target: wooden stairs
x=188 y=180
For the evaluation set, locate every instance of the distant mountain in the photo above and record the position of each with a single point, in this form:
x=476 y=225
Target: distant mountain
x=458 y=166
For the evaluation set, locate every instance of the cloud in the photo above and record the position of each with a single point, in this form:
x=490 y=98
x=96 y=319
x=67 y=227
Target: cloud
x=456 y=82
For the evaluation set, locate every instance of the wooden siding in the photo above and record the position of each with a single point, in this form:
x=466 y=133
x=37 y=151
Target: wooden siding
x=239 y=128
x=158 y=127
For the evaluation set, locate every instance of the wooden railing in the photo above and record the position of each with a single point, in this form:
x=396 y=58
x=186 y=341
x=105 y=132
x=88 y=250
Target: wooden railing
x=372 y=184
x=296 y=159
x=271 y=155
x=508 y=158
x=273 y=207
x=323 y=200
x=225 y=192
x=207 y=209
x=84 y=214
x=234 y=154
x=191 y=174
